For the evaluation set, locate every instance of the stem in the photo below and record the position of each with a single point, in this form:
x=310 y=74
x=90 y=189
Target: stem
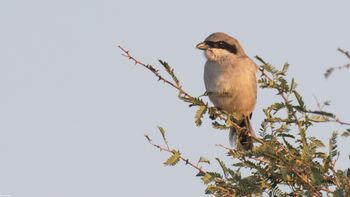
x=154 y=71
x=187 y=161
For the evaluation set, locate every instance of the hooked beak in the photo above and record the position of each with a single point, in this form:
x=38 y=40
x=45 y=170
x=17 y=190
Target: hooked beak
x=202 y=46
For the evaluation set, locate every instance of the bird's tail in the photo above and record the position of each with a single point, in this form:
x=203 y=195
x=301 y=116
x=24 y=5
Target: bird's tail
x=243 y=139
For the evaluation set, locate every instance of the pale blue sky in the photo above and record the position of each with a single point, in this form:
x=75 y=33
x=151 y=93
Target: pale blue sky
x=73 y=111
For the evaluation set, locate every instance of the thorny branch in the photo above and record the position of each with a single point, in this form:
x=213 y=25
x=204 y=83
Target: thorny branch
x=167 y=149
x=154 y=71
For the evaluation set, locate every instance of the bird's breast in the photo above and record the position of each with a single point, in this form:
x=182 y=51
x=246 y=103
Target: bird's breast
x=231 y=85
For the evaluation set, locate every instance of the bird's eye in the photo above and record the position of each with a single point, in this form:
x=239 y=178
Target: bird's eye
x=224 y=45
x=221 y=44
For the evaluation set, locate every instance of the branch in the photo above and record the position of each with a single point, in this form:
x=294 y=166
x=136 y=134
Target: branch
x=340 y=122
x=126 y=53
x=187 y=161
x=346 y=53
x=284 y=97
x=314 y=190
x=259 y=159
x=329 y=118
x=330 y=70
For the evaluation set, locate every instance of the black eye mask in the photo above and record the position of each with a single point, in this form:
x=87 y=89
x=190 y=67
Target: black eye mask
x=222 y=45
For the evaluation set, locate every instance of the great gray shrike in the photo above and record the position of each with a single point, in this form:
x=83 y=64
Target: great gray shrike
x=230 y=81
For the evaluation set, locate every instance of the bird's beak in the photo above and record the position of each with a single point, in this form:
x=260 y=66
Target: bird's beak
x=202 y=46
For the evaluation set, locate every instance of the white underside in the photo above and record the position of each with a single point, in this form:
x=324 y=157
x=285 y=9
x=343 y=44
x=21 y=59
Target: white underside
x=232 y=84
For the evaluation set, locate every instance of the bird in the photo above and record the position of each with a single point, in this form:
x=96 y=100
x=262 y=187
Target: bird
x=230 y=83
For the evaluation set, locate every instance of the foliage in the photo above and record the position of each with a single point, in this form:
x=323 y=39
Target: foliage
x=330 y=70
x=285 y=160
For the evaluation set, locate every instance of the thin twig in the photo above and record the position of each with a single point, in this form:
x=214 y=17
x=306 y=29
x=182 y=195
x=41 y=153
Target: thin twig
x=318 y=104
x=330 y=70
x=260 y=159
x=314 y=190
x=187 y=161
x=340 y=122
x=346 y=53
x=329 y=119
x=154 y=71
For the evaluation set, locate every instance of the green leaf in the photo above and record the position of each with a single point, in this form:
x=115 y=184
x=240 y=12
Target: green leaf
x=215 y=175
x=316 y=142
x=285 y=68
x=285 y=135
x=170 y=71
x=200 y=173
x=283 y=86
x=333 y=145
x=204 y=160
x=326 y=164
x=277 y=106
x=260 y=59
x=299 y=99
x=290 y=147
x=151 y=68
x=148 y=138
x=293 y=85
x=282 y=72
x=323 y=113
x=173 y=159
x=162 y=131
x=317 y=177
x=194 y=101
x=199 y=114
x=207 y=178
x=223 y=167
x=315 y=118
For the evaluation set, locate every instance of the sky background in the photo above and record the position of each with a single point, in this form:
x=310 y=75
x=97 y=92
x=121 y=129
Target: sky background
x=73 y=111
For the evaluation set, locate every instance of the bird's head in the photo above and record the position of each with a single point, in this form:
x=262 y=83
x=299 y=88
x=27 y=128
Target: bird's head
x=219 y=45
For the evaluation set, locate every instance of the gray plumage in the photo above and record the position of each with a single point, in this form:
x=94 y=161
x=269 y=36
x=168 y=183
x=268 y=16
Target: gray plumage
x=230 y=80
